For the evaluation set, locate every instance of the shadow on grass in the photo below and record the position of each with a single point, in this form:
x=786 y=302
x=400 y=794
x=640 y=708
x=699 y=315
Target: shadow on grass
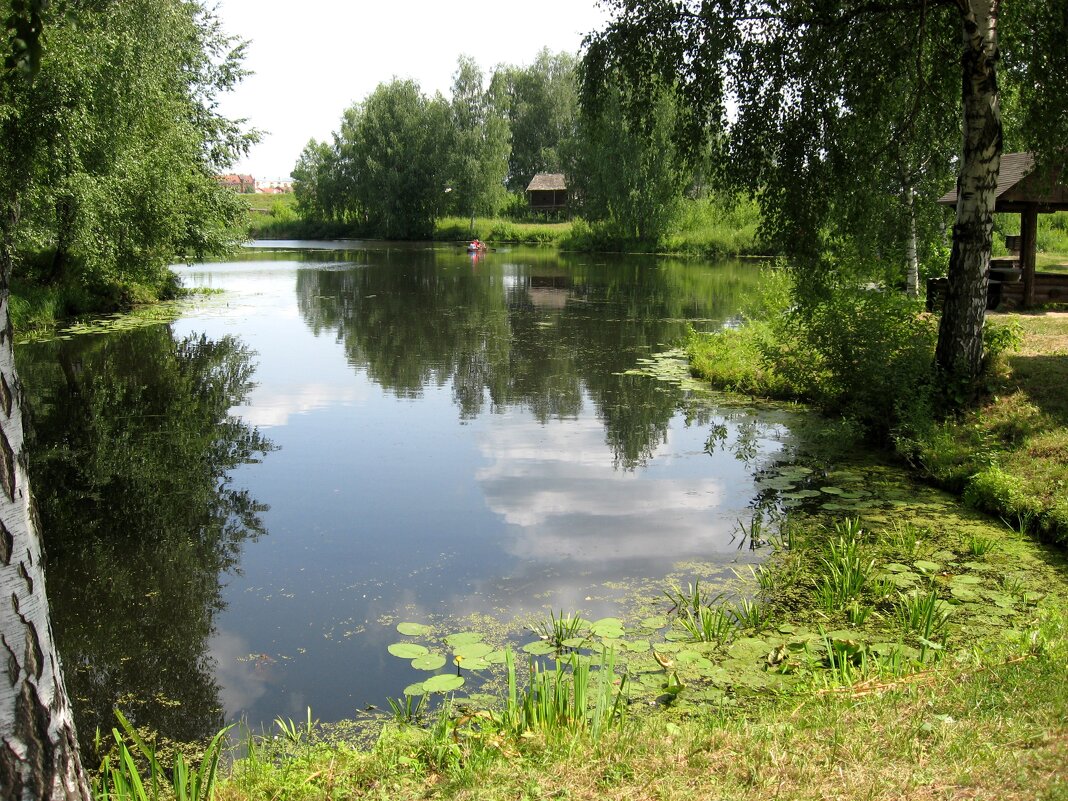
x=1044 y=379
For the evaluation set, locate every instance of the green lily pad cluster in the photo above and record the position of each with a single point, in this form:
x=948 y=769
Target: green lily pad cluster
x=466 y=649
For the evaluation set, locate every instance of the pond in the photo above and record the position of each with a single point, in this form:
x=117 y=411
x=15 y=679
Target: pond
x=240 y=505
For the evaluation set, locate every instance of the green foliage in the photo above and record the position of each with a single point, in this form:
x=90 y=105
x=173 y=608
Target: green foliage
x=541 y=105
x=698 y=615
x=122 y=780
x=630 y=177
x=846 y=573
x=864 y=354
x=111 y=178
x=482 y=144
x=557 y=702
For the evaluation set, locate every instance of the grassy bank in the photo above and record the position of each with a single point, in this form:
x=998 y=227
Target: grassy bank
x=838 y=688
x=705 y=228
x=1007 y=456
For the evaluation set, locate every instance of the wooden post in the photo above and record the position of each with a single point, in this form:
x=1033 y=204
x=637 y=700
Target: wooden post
x=1028 y=229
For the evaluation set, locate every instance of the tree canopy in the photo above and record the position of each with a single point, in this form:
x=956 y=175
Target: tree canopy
x=112 y=144
x=825 y=108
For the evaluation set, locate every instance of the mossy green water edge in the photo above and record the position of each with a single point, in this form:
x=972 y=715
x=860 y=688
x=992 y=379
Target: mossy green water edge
x=860 y=574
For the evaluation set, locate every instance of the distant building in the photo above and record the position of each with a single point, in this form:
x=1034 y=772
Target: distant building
x=242 y=184
x=547 y=192
x=273 y=187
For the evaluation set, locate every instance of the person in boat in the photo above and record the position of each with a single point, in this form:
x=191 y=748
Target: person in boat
x=476 y=245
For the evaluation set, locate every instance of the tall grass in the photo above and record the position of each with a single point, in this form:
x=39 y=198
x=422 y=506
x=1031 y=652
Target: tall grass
x=121 y=779
x=558 y=701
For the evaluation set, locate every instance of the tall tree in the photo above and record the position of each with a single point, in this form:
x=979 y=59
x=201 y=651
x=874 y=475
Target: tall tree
x=542 y=108
x=38 y=742
x=394 y=151
x=629 y=174
x=799 y=72
x=482 y=145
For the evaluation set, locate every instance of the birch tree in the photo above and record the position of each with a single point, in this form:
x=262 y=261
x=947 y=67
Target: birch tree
x=798 y=75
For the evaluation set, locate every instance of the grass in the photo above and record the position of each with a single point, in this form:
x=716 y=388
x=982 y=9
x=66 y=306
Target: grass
x=1009 y=456
x=982 y=719
x=708 y=228
x=953 y=731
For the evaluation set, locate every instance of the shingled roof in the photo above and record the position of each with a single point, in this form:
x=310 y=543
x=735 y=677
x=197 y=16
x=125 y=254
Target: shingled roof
x=1017 y=186
x=547 y=182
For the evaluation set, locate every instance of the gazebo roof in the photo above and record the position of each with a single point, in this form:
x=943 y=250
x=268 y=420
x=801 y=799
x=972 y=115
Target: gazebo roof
x=547 y=182
x=1019 y=187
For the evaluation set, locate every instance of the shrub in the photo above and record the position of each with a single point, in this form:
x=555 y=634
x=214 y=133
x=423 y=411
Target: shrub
x=865 y=354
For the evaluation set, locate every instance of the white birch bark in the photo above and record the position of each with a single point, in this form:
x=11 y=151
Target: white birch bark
x=912 y=260
x=38 y=746
x=960 y=334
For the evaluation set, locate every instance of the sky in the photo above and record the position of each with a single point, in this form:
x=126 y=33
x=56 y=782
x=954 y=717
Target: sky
x=314 y=58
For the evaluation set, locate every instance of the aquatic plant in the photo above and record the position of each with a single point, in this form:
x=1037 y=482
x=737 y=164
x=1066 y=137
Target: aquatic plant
x=858 y=614
x=978 y=545
x=749 y=614
x=560 y=632
x=121 y=780
x=694 y=612
x=846 y=573
x=558 y=700
x=408 y=708
x=925 y=615
x=904 y=537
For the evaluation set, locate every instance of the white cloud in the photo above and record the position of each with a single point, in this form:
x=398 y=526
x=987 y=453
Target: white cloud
x=312 y=60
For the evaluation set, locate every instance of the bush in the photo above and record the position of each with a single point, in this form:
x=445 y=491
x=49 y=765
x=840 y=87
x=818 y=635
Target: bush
x=864 y=354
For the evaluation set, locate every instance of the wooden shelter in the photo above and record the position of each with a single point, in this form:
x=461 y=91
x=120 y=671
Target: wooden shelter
x=1022 y=191
x=547 y=192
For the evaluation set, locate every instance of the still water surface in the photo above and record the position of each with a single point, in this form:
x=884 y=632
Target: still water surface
x=239 y=506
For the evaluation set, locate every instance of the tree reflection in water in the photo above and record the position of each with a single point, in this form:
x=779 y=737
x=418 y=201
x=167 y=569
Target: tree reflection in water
x=131 y=447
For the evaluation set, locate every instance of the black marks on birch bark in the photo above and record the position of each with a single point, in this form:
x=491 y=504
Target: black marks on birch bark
x=6 y=396
x=34 y=657
x=12 y=662
x=7 y=545
x=32 y=720
x=26 y=577
x=7 y=467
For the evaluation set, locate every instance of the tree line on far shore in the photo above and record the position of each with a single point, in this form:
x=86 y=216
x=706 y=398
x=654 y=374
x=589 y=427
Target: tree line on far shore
x=400 y=159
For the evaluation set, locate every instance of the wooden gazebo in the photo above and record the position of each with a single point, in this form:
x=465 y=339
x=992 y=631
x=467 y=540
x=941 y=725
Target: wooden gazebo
x=1022 y=191
x=547 y=191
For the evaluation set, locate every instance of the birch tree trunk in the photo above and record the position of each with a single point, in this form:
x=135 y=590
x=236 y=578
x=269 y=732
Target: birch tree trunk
x=960 y=334
x=38 y=746
x=912 y=260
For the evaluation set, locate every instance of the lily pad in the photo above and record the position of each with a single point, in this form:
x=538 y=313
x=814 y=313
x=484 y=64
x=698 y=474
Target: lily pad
x=413 y=629
x=832 y=490
x=657 y=622
x=475 y=650
x=443 y=683
x=415 y=689
x=495 y=657
x=966 y=580
x=538 y=648
x=574 y=642
x=748 y=648
x=463 y=638
x=479 y=663
x=429 y=662
x=927 y=567
x=407 y=650
x=805 y=493
x=607 y=627
x=964 y=594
